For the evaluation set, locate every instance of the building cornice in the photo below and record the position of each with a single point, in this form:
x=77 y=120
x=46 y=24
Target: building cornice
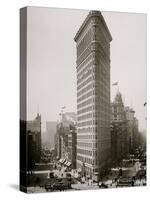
x=92 y=14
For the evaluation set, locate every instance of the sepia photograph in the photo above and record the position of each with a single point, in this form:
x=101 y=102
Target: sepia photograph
x=83 y=101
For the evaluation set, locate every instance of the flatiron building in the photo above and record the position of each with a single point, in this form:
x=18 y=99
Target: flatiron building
x=93 y=95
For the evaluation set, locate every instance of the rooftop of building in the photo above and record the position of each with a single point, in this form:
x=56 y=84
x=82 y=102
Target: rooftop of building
x=93 y=13
x=118 y=98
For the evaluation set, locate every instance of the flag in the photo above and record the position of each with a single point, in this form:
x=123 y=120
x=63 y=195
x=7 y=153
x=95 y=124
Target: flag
x=116 y=83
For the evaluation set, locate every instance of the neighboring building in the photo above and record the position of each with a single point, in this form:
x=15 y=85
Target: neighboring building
x=136 y=134
x=72 y=146
x=124 y=130
x=142 y=139
x=133 y=129
x=93 y=95
x=34 y=141
x=58 y=141
x=65 y=139
x=62 y=141
x=23 y=153
x=48 y=137
x=119 y=130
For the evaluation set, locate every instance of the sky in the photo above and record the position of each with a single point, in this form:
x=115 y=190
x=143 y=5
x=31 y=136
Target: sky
x=51 y=60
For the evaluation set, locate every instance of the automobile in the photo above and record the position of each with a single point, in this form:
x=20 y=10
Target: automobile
x=123 y=182
x=60 y=186
x=102 y=185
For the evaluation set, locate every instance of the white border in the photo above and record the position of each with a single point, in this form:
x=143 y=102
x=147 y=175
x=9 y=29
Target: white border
x=9 y=87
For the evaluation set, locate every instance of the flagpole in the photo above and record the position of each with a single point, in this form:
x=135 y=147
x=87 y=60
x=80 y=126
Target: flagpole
x=118 y=86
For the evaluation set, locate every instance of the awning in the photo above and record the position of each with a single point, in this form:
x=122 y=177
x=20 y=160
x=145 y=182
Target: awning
x=65 y=163
x=63 y=160
x=68 y=164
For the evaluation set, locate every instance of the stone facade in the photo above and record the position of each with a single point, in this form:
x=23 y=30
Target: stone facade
x=124 y=129
x=93 y=94
x=119 y=130
x=132 y=129
x=72 y=146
